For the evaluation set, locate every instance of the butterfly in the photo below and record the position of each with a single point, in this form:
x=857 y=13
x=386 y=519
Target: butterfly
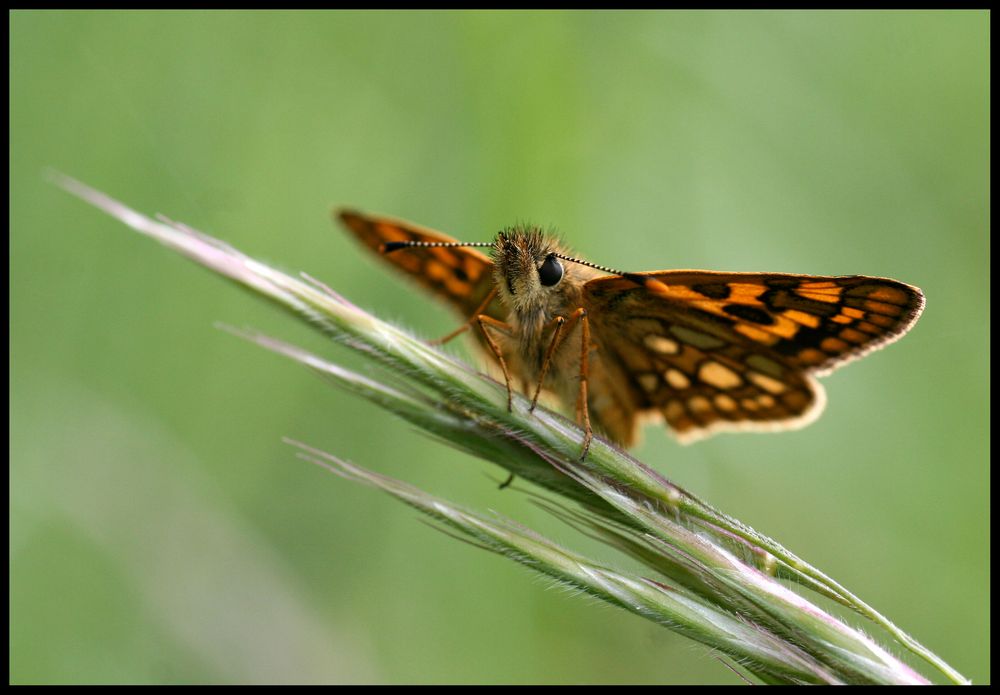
x=703 y=351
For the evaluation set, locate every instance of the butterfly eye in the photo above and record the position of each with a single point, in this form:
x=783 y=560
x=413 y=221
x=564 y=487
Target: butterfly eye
x=550 y=272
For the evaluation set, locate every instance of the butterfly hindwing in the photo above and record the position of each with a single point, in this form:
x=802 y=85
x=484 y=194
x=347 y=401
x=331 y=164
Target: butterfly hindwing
x=737 y=351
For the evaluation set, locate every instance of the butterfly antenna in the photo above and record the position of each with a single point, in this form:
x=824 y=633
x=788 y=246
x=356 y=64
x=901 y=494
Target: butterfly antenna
x=390 y=246
x=605 y=268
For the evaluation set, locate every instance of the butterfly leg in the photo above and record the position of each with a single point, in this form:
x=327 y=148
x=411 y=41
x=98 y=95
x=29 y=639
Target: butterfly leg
x=584 y=410
x=465 y=326
x=559 y=322
x=484 y=322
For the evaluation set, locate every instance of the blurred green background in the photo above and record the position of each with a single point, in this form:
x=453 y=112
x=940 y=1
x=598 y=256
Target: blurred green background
x=160 y=530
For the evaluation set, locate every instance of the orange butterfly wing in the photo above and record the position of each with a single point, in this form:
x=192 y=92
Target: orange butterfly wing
x=711 y=351
x=462 y=276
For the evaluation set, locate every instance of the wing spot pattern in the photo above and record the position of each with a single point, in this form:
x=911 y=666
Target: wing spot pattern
x=661 y=345
x=700 y=340
x=765 y=382
x=700 y=405
x=677 y=379
x=649 y=382
x=725 y=403
x=718 y=375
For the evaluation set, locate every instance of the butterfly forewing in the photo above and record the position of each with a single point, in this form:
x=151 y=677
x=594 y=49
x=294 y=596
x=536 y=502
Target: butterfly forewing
x=715 y=351
x=461 y=275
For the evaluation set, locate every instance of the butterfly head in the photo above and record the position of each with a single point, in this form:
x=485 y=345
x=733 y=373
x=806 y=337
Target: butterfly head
x=528 y=269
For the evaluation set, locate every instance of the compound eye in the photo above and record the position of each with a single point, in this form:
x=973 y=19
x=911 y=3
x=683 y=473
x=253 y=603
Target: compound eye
x=550 y=272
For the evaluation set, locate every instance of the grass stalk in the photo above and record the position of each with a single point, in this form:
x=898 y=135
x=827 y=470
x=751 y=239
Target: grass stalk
x=712 y=577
